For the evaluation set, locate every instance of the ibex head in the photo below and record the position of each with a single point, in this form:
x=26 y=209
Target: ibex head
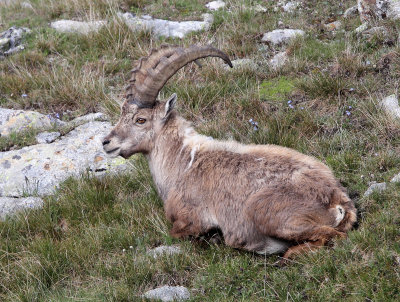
x=142 y=116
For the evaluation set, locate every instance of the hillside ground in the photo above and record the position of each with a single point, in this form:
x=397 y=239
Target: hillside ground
x=89 y=242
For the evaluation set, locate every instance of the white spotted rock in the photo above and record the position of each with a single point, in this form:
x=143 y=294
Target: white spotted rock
x=168 y=293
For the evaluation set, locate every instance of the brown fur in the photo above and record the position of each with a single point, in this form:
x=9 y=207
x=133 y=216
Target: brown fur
x=263 y=198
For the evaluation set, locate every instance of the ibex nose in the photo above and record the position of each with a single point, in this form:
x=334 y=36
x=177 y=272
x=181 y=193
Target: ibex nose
x=106 y=142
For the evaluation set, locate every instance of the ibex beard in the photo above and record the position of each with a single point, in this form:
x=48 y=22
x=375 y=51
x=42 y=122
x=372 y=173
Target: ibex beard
x=263 y=198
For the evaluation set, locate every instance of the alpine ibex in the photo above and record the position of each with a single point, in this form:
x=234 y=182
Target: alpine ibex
x=263 y=198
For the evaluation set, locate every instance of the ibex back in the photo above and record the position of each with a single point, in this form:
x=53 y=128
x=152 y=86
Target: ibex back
x=263 y=198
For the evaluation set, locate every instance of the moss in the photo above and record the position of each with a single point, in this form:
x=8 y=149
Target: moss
x=276 y=89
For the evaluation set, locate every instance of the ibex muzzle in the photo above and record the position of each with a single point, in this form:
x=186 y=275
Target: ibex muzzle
x=263 y=198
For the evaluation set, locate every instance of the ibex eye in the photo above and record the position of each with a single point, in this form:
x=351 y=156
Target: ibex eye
x=140 y=120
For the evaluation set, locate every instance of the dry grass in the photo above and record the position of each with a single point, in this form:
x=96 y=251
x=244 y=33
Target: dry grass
x=72 y=249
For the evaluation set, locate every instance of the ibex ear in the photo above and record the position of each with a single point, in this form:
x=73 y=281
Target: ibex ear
x=169 y=105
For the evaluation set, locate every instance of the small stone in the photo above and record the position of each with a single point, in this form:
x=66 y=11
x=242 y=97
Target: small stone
x=10 y=40
x=91 y=117
x=47 y=137
x=70 y=26
x=164 y=250
x=361 y=28
x=396 y=179
x=282 y=36
x=168 y=293
x=279 y=60
x=391 y=106
x=333 y=26
x=215 y=5
x=351 y=12
x=20 y=120
x=26 y=5
x=290 y=6
x=10 y=205
x=375 y=187
x=242 y=64
x=260 y=9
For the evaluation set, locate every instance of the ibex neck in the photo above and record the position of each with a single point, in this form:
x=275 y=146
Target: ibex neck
x=169 y=155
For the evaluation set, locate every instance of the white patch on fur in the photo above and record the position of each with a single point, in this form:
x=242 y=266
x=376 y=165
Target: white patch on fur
x=192 y=154
x=340 y=212
x=274 y=246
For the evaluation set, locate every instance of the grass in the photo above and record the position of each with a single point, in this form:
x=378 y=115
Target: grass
x=89 y=241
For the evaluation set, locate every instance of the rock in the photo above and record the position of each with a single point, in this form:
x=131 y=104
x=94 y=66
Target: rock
x=215 y=5
x=165 y=28
x=351 y=12
x=10 y=40
x=378 y=9
x=40 y=168
x=333 y=26
x=281 y=36
x=91 y=117
x=279 y=60
x=26 y=5
x=70 y=26
x=396 y=179
x=9 y=205
x=375 y=187
x=19 y=120
x=168 y=293
x=363 y=27
x=290 y=6
x=241 y=64
x=260 y=9
x=164 y=250
x=47 y=137
x=391 y=106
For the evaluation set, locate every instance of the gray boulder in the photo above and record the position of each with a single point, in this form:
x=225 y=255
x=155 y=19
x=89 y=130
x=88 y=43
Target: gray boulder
x=40 y=168
x=168 y=293
x=281 y=36
x=9 y=205
x=165 y=28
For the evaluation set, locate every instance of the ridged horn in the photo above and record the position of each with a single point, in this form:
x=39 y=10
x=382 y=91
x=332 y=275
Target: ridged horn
x=152 y=72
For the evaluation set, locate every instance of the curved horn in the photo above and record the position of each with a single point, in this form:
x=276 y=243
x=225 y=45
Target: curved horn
x=152 y=72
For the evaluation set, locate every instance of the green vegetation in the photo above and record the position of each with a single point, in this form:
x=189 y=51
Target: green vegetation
x=276 y=89
x=89 y=242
